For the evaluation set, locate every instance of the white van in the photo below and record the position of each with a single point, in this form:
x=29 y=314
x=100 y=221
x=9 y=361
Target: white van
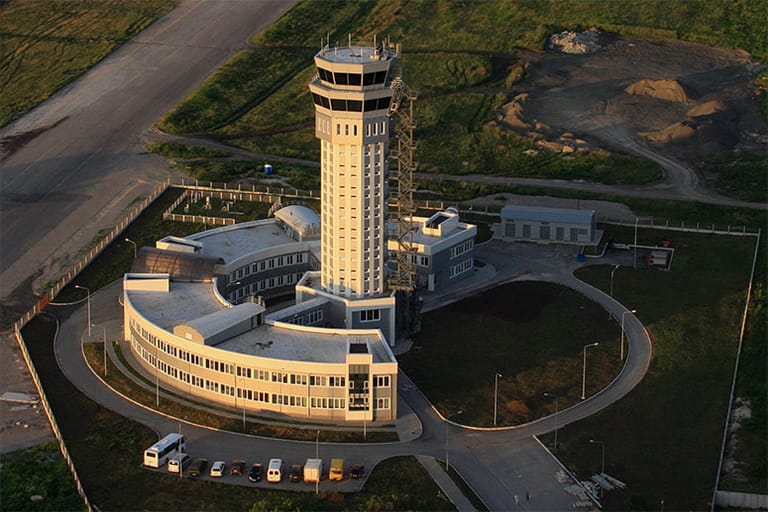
x=275 y=470
x=180 y=460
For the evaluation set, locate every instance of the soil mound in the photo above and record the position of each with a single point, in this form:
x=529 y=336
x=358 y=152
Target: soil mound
x=669 y=90
x=707 y=133
x=673 y=133
x=706 y=109
x=512 y=113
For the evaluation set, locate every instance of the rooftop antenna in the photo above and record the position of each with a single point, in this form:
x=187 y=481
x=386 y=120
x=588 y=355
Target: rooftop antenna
x=349 y=38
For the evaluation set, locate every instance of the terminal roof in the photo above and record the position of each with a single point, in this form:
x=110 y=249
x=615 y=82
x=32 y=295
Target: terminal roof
x=187 y=302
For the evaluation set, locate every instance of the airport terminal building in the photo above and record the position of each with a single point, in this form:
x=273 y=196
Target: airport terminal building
x=195 y=314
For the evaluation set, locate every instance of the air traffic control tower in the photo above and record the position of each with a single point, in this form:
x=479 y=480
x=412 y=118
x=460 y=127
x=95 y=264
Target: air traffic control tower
x=352 y=97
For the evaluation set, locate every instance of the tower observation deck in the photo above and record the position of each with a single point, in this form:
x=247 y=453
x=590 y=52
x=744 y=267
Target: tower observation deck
x=352 y=96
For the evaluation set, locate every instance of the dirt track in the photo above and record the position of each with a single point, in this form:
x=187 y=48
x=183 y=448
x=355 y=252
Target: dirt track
x=585 y=95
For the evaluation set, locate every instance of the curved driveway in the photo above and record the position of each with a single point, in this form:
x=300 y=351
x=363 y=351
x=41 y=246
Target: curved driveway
x=499 y=464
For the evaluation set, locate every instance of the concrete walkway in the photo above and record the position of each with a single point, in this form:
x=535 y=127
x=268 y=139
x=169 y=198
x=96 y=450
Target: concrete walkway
x=446 y=484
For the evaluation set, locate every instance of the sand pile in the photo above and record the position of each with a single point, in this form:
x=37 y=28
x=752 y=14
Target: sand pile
x=707 y=109
x=708 y=125
x=511 y=114
x=669 y=90
x=673 y=133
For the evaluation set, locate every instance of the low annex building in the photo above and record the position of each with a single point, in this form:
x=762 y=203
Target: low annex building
x=543 y=224
x=445 y=249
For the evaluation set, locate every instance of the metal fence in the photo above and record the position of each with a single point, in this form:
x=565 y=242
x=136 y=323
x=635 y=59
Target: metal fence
x=40 y=305
x=742 y=330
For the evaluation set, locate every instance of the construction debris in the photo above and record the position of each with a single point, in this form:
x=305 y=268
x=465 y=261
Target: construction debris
x=575 y=42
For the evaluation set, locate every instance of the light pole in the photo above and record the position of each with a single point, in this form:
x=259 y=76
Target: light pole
x=320 y=468
x=105 y=351
x=622 y=330
x=495 y=396
x=602 y=460
x=446 y=436
x=89 y=306
x=134 y=246
x=584 y=371
x=615 y=267
x=556 y=411
x=635 y=256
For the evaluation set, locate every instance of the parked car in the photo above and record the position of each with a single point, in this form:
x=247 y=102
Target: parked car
x=197 y=467
x=218 y=468
x=357 y=471
x=179 y=462
x=256 y=471
x=275 y=470
x=296 y=473
x=237 y=467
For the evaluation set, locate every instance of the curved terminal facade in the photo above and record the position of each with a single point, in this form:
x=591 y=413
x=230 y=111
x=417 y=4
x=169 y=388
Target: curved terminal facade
x=203 y=334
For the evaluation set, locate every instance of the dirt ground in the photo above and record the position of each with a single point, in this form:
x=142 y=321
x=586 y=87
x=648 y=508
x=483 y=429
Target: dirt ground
x=580 y=100
x=21 y=425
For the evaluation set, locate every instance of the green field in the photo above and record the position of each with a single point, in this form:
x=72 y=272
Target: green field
x=45 y=44
x=457 y=56
x=517 y=330
x=39 y=471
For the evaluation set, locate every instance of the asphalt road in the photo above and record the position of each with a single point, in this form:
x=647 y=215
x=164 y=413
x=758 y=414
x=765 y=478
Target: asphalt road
x=89 y=164
x=499 y=464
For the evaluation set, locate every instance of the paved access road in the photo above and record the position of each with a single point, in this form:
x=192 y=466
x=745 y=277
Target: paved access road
x=89 y=163
x=498 y=464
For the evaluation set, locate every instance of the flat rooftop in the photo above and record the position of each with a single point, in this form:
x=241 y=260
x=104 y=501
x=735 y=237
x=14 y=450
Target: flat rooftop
x=232 y=242
x=354 y=54
x=187 y=301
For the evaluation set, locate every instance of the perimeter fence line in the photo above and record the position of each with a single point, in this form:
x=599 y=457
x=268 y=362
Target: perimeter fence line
x=226 y=191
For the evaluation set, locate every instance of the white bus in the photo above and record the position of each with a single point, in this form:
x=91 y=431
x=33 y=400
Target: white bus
x=159 y=453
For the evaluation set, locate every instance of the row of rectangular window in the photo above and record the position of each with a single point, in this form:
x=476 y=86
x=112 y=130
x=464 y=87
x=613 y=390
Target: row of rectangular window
x=462 y=267
x=458 y=250
x=268 y=263
x=258 y=374
x=265 y=284
x=372 y=78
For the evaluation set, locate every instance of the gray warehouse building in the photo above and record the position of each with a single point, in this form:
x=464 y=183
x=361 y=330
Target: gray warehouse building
x=543 y=224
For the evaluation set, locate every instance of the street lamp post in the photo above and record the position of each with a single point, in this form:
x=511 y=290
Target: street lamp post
x=584 y=371
x=446 y=435
x=602 y=459
x=317 y=456
x=134 y=246
x=557 y=409
x=615 y=267
x=622 y=330
x=89 y=305
x=495 y=396
x=635 y=256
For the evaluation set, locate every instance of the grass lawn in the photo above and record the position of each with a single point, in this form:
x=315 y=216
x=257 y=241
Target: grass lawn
x=45 y=44
x=459 y=58
x=664 y=438
x=40 y=470
x=93 y=434
x=531 y=333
